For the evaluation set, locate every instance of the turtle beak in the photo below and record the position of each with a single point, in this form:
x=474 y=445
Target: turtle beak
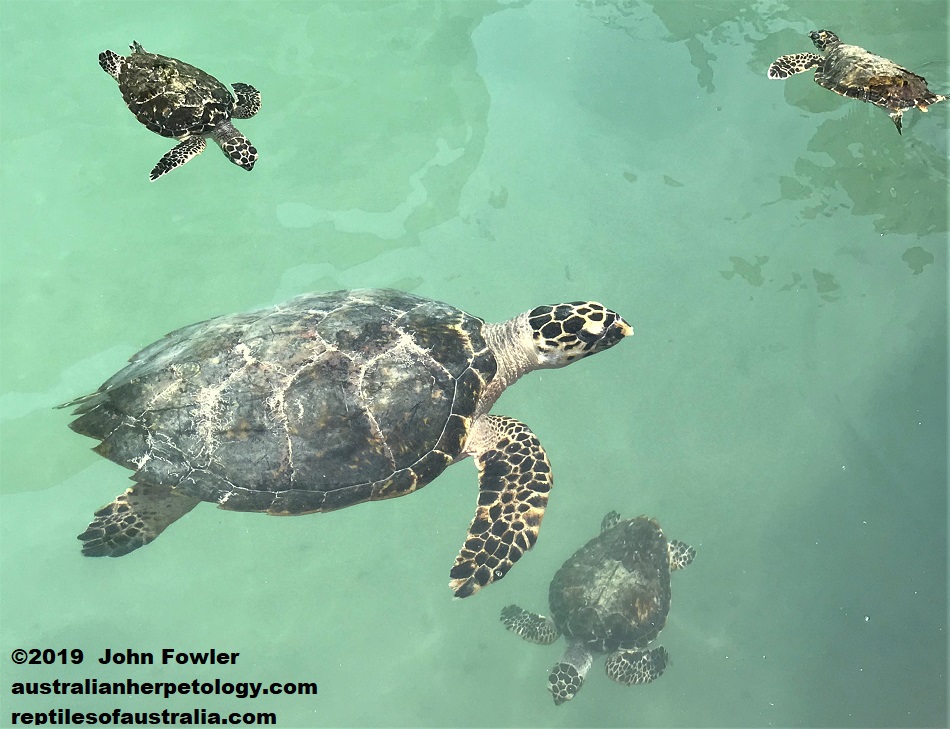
x=625 y=328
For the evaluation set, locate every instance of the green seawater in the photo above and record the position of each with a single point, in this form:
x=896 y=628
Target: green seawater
x=780 y=251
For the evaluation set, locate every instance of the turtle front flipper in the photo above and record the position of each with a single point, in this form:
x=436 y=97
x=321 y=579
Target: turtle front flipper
x=633 y=667
x=235 y=145
x=514 y=478
x=111 y=63
x=681 y=554
x=177 y=156
x=133 y=520
x=248 y=101
x=786 y=66
x=532 y=627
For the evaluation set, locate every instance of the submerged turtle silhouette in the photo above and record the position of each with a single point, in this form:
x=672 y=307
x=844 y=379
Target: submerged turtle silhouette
x=175 y=99
x=858 y=74
x=330 y=400
x=611 y=596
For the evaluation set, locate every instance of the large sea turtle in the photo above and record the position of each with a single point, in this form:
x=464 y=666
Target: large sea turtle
x=329 y=400
x=854 y=72
x=175 y=99
x=612 y=596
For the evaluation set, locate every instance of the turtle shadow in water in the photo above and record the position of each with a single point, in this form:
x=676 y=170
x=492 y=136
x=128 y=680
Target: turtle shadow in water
x=822 y=283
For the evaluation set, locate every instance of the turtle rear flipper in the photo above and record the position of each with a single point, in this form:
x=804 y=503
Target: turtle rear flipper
x=913 y=94
x=532 y=627
x=248 y=101
x=896 y=115
x=633 y=667
x=177 y=156
x=785 y=66
x=133 y=520
x=514 y=478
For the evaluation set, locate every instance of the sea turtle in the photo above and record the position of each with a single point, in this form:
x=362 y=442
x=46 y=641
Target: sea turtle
x=175 y=99
x=612 y=596
x=333 y=399
x=854 y=72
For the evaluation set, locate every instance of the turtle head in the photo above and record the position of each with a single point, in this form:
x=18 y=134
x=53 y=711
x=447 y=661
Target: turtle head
x=564 y=682
x=823 y=39
x=235 y=145
x=565 y=333
x=568 y=674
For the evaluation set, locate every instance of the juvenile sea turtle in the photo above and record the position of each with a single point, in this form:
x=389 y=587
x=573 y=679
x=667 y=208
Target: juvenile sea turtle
x=854 y=72
x=329 y=400
x=175 y=99
x=612 y=596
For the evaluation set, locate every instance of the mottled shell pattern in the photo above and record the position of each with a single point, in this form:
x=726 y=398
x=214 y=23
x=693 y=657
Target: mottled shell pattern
x=857 y=73
x=614 y=592
x=173 y=98
x=325 y=401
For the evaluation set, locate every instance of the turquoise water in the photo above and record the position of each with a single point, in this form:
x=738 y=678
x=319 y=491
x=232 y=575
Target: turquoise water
x=780 y=251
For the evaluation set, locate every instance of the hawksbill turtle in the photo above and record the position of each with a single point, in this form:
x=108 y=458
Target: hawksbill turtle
x=329 y=400
x=175 y=99
x=858 y=74
x=611 y=596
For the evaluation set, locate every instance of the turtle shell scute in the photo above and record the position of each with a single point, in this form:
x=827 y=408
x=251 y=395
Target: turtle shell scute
x=173 y=98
